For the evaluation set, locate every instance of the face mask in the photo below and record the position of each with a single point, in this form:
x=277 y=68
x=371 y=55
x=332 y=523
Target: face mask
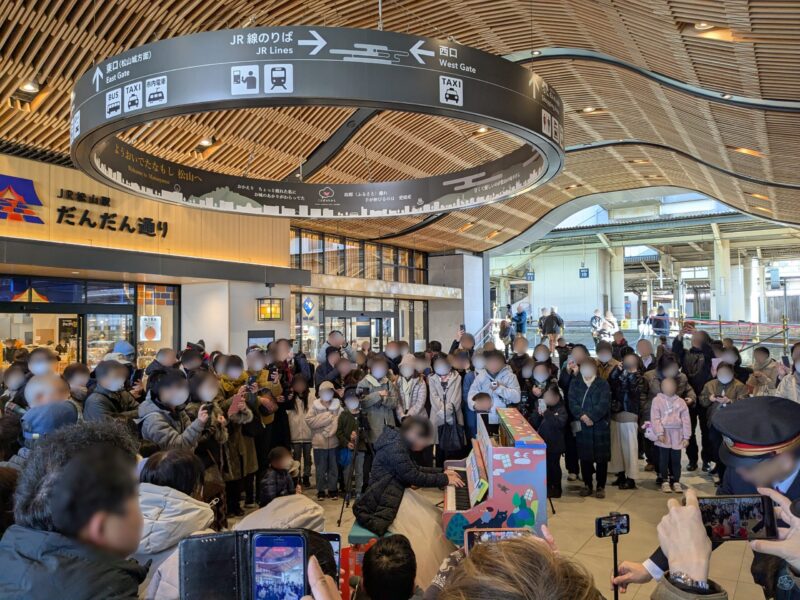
x=178 y=398
x=207 y=394
x=441 y=369
x=115 y=385
x=478 y=363
x=392 y=353
x=235 y=373
x=724 y=378
x=378 y=373
x=526 y=373
x=352 y=404
x=257 y=365
x=540 y=376
x=729 y=358
x=604 y=357
x=407 y=372
x=40 y=367
x=631 y=367
x=671 y=373
x=541 y=356
x=326 y=396
x=588 y=372
x=80 y=383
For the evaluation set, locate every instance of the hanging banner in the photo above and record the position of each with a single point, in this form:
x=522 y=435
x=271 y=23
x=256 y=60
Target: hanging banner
x=298 y=66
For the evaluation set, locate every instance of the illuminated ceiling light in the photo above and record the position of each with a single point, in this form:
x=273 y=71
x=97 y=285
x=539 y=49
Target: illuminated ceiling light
x=466 y=227
x=30 y=86
x=703 y=26
x=482 y=129
x=763 y=209
x=536 y=52
x=207 y=141
x=494 y=234
x=588 y=109
x=727 y=96
x=573 y=186
x=757 y=196
x=747 y=151
x=639 y=161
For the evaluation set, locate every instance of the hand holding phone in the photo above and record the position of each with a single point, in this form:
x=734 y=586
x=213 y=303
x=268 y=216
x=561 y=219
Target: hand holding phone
x=743 y=517
x=279 y=566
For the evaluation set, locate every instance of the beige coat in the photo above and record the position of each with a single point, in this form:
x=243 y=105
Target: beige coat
x=445 y=403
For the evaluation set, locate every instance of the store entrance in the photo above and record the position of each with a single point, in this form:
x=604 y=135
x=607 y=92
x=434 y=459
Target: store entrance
x=74 y=337
x=377 y=328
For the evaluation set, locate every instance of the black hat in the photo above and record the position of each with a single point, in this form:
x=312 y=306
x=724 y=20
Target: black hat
x=757 y=429
x=331 y=350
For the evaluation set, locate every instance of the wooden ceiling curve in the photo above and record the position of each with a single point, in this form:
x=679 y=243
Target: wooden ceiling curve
x=751 y=52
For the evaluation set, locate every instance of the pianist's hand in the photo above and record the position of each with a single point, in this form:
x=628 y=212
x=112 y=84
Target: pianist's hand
x=453 y=479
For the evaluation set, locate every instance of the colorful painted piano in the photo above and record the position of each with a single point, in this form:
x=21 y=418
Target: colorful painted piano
x=506 y=480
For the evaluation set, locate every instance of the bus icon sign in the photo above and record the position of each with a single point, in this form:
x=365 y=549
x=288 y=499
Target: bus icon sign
x=279 y=78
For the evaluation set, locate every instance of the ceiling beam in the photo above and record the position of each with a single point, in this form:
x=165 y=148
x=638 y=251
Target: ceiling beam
x=715 y=231
x=697 y=247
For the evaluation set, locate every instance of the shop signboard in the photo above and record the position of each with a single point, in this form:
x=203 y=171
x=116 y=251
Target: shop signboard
x=325 y=66
x=149 y=328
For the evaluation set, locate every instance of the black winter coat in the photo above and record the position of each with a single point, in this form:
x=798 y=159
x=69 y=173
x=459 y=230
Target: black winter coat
x=42 y=565
x=594 y=443
x=276 y=483
x=392 y=472
x=551 y=426
x=695 y=363
x=628 y=391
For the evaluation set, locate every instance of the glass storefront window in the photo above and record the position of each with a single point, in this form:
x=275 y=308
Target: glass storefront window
x=404 y=275
x=109 y=292
x=294 y=248
x=389 y=262
x=155 y=313
x=57 y=291
x=334 y=255
x=14 y=289
x=371 y=261
x=404 y=320
x=311 y=245
x=420 y=320
x=372 y=305
x=102 y=332
x=355 y=303
x=334 y=302
x=353 y=258
x=420 y=268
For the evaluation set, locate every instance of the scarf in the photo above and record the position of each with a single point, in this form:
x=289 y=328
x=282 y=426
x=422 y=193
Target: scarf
x=406 y=386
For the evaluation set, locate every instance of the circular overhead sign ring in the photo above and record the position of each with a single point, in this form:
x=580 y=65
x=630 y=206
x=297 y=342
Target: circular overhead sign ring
x=300 y=66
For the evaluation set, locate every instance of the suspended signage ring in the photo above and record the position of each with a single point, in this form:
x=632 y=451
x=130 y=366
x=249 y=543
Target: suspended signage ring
x=299 y=66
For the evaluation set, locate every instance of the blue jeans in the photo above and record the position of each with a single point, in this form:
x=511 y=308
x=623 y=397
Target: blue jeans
x=358 y=481
x=327 y=470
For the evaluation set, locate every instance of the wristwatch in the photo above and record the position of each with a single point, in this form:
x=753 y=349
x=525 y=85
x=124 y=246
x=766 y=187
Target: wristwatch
x=683 y=582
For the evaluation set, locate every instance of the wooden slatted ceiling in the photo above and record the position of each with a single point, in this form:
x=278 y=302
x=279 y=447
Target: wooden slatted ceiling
x=57 y=40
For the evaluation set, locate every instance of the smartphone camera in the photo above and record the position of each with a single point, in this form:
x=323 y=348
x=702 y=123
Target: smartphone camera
x=279 y=564
x=729 y=518
x=611 y=525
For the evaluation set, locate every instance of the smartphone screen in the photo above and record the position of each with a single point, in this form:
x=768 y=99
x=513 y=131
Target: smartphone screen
x=279 y=566
x=728 y=518
x=480 y=536
x=335 y=540
x=612 y=524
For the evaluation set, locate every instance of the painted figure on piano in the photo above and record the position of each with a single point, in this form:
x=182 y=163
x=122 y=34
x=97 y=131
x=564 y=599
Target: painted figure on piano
x=506 y=480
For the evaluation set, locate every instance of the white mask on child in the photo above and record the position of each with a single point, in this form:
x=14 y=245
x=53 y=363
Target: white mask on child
x=441 y=369
x=527 y=372
x=378 y=373
x=352 y=404
x=724 y=378
x=539 y=376
x=604 y=357
x=326 y=396
x=541 y=356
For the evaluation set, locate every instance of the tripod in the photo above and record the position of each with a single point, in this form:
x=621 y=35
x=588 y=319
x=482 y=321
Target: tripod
x=361 y=433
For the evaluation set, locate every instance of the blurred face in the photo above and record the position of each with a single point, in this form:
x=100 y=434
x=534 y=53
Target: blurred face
x=725 y=375
x=282 y=350
x=604 y=355
x=345 y=367
x=58 y=391
x=378 y=370
x=14 y=379
x=256 y=361
x=167 y=357
x=588 y=370
x=326 y=396
x=618 y=336
x=79 y=380
x=361 y=358
x=769 y=472
x=579 y=355
x=729 y=357
x=114 y=380
x=416 y=440
x=441 y=367
x=392 y=350
x=483 y=403
x=541 y=353
x=540 y=374
x=118 y=534
x=234 y=371
x=644 y=348
x=669 y=387
x=551 y=398
x=631 y=364
x=299 y=386
x=520 y=346
x=494 y=365
x=334 y=358
x=407 y=371
x=40 y=364
x=174 y=396
x=336 y=340
x=208 y=390
x=467 y=342
x=761 y=357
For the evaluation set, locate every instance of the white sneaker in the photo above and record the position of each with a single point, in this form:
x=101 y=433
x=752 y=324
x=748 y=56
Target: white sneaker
x=677 y=488
x=572 y=477
x=666 y=488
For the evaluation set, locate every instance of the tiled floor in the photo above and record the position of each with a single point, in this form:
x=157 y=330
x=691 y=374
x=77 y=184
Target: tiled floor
x=573 y=528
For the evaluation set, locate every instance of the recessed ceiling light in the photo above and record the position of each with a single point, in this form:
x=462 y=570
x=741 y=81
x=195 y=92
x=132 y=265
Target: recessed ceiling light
x=588 y=109
x=466 y=227
x=573 y=186
x=76 y=272
x=30 y=87
x=763 y=209
x=535 y=52
x=703 y=26
x=482 y=129
x=757 y=196
x=207 y=141
x=639 y=161
x=727 y=96
x=495 y=233
x=747 y=151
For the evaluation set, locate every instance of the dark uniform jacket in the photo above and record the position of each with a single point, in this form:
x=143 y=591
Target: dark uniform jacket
x=42 y=565
x=392 y=472
x=594 y=443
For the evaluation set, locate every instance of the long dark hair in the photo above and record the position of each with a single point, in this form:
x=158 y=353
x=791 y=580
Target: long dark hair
x=302 y=395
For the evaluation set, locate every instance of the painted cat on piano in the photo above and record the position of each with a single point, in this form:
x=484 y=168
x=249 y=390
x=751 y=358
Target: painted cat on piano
x=506 y=479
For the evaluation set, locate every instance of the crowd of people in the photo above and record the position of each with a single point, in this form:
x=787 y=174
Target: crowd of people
x=105 y=471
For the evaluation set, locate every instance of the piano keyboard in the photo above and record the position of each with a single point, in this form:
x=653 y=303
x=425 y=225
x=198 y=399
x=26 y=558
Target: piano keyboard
x=457 y=498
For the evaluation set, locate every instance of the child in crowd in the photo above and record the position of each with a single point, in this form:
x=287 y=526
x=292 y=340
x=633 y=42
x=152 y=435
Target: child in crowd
x=323 y=418
x=550 y=419
x=296 y=408
x=277 y=481
x=669 y=415
x=352 y=447
x=482 y=405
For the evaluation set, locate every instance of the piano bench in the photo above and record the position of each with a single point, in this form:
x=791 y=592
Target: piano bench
x=359 y=535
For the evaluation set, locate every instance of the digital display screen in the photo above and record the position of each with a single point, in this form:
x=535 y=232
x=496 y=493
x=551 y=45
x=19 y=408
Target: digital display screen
x=278 y=567
x=480 y=536
x=335 y=540
x=729 y=518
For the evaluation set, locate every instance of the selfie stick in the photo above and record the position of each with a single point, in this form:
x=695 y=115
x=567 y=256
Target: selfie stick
x=614 y=541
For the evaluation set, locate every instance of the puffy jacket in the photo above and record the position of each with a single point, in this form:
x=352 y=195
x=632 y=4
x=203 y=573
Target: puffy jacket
x=296 y=412
x=735 y=390
x=323 y=421
x=103 y=404
x=551 y=426
x=392 y=472
x=505 y=394
x=275 y=484
x=695 y=363
x=653 y=380
x=593 y=442
x=628 y=392
x=379 y=411
x=42 y=565
x=168 y=429
x=445 y=402
x=169 y=517
x=411 y=397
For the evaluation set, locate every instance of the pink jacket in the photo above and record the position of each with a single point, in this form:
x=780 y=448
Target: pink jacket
x=670 y=418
